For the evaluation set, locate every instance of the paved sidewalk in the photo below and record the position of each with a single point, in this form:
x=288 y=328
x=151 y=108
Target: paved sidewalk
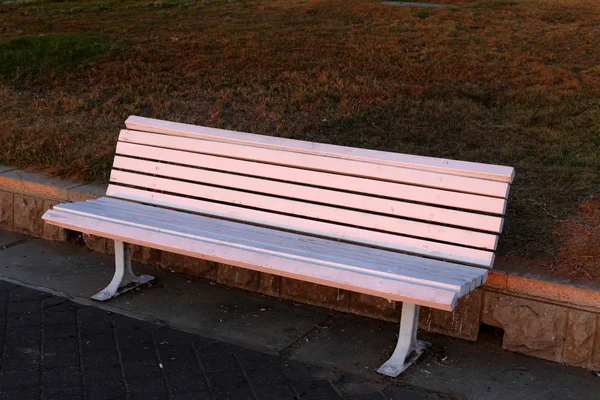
x=238 y=345
x=56 y=349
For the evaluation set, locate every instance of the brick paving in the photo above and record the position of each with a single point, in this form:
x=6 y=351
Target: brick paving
x=53 y=348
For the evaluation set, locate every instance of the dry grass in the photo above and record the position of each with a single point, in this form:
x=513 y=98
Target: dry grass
x=507 y=82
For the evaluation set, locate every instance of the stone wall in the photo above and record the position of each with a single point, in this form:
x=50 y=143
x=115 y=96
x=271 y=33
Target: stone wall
x=548 y=320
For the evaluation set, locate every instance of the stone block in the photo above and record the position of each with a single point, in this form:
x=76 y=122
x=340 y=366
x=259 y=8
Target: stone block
x=238 y=277
x=530 y=327
x=189 y=265
x=311 y=293
x=581 y=333
x=53 y=232
x=373 y=307
x=146 y=255
x=28 y=213
x=462 y=323
x=269 y=284
x=33 y=184
x=553 y=292
x=596 y=350
x=496 y=280
x=6 y=211
x=99 y=244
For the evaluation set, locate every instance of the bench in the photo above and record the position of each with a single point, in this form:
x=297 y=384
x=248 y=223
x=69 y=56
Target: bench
x=412 y=229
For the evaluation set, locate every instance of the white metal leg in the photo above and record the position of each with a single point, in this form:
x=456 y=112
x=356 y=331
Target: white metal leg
x=408 y=349
x=124 y=278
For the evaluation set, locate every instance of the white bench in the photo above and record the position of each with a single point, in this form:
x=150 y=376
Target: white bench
x=413 y=229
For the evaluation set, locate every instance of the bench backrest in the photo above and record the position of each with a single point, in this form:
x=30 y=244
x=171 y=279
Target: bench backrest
x=438 y=208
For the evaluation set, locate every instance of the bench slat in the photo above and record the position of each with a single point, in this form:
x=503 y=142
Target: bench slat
x=479 y=170
x=320 y=274
x=342 y=249
x=357 y=218
x=420 y=194
x=321 y=163
x=402 y=243
x=293 y=241
x=284 y=244
x=313 y=194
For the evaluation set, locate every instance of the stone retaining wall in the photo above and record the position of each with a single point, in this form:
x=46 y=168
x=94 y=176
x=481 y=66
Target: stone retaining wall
x=553 y=321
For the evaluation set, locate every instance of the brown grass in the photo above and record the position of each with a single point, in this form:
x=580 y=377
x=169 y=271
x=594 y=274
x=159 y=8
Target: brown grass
x=579 y=252
x=514 y=83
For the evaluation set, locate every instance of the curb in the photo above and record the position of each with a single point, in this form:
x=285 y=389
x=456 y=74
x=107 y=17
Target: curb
x=540 y=316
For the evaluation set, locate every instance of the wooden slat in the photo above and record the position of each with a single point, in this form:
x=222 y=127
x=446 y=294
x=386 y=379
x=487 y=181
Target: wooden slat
x=283 y=244
x=313 y=194
x=321 y=274
x=402 y=243
x=321 y=163
x=350 y=217
x=341 y=249
x=342 y=182
x=465 y=168
x=295 y=242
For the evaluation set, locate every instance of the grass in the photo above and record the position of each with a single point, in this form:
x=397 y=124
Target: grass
x=505 y=83
x=29 y=59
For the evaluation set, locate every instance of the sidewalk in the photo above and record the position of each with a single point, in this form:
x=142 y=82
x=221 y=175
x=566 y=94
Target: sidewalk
x=57 y=349
x=238 y=345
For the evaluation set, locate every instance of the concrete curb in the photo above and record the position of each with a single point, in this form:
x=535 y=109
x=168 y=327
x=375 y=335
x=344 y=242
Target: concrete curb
x=557 y=321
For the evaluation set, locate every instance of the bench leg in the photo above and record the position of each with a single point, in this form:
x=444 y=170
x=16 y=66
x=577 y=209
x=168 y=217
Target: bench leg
x=408 y=349
x=124 y=278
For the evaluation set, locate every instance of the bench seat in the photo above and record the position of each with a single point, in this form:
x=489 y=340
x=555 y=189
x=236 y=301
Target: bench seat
x=383 y=273
x=407 y=228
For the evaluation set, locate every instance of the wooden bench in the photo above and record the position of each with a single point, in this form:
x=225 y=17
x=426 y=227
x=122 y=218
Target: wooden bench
x=418 y=230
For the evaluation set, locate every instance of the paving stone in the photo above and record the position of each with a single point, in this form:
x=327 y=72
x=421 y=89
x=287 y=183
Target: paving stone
x=21 y=394
x=191 y=396
x=21 y=379
x=60 y=318
x=110 y=390
x=103 y=341
x=61 y=360
x=229 y=384
x=317 y=389
x=25 y=294
x=102 y=372
x=370 y=396
x=13 y=321
x=99 y=357
x=62 y=393
x=142 y=370
x=275 y=392
x=59 y=377
x=189 y=381
x=24 y=307
x=80 y=359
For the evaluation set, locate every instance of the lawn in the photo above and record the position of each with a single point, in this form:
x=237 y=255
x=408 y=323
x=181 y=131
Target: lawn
x=506 y=82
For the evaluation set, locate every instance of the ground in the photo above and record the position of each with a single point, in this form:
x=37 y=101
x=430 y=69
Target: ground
x=505 y=82
x=58 y=343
